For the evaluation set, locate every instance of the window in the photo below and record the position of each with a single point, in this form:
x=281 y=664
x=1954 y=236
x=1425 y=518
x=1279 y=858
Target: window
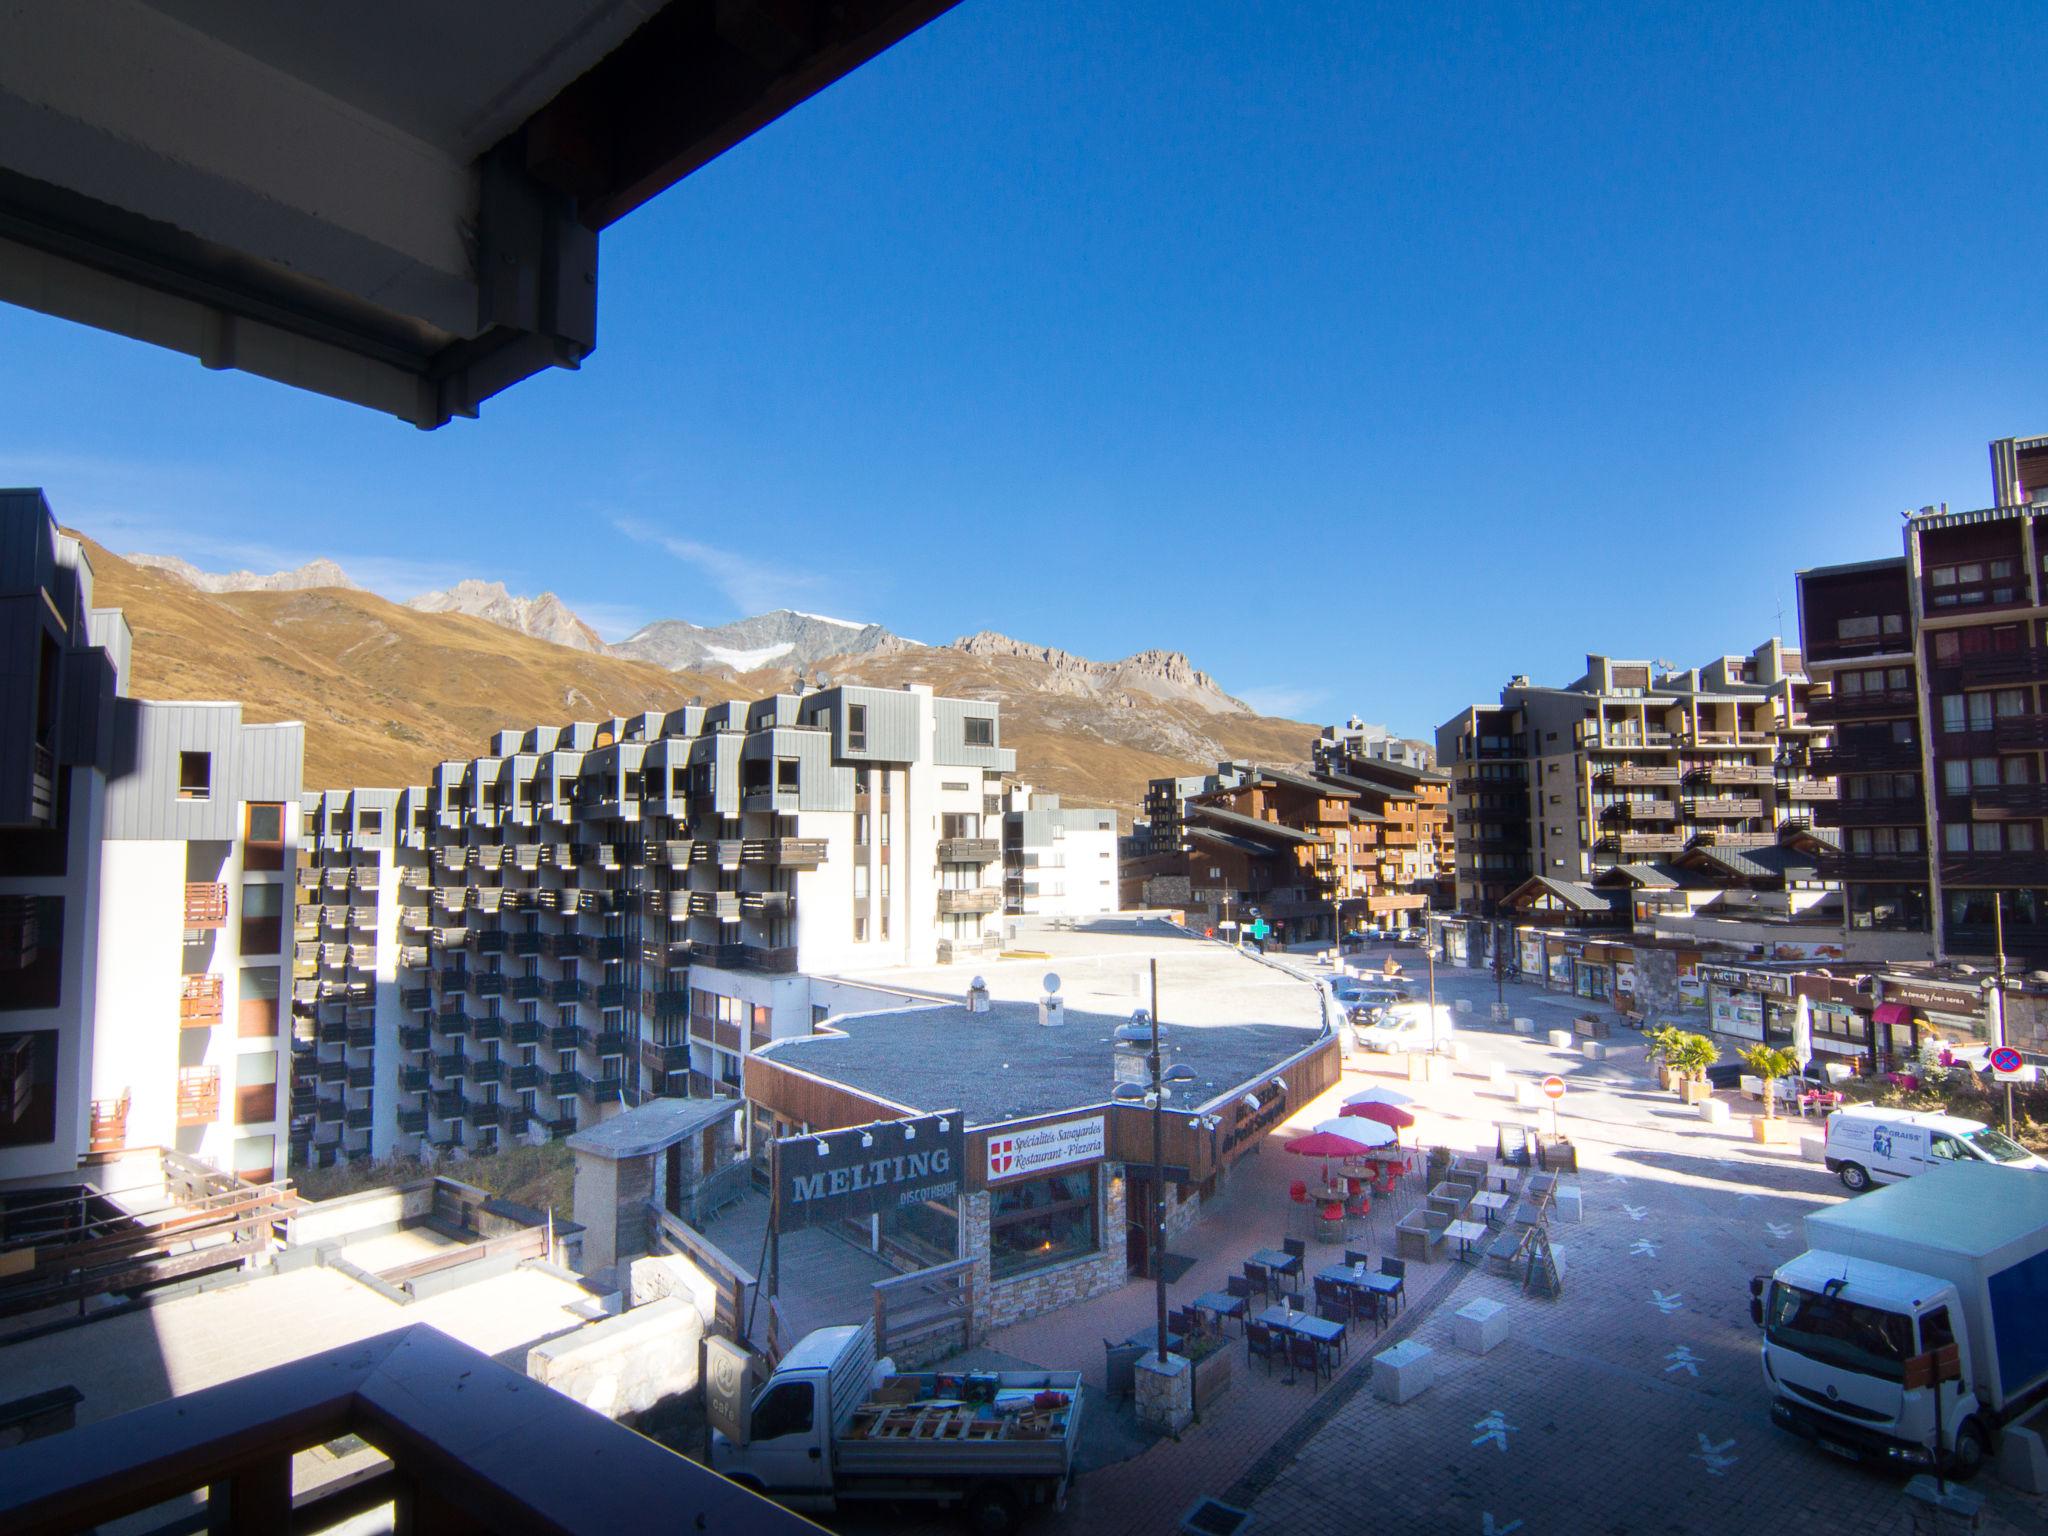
x=1980 y=711
x=195 y=775
x=255 y=1087
x=783 y=1410
x=256 y=1012
x=256 y=1158
x=263 y=837
x=1952 y=712
x=2019 y=837
x=373 y=821
x=857 y=727
x=1039 y=1222
x=1936 y=1332
x=262 y=919
x=981 y=731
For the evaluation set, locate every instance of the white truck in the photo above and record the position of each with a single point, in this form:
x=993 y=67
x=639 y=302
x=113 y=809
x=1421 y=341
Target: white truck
x=1407 y=1027
x=1958 y=1255
x=832 y=1426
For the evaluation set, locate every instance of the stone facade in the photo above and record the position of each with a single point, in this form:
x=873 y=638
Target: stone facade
x=998 y=1304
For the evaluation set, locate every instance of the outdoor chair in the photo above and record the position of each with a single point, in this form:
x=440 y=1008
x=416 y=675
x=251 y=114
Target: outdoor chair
x=1259 y=1344
x=1304 y=1354
x=1415 y=1238
x=1357 y=1256
x=1330 y=1299
x=1394 y=1269
x=1260 y=1279
x=1294 y=1248
x=1238 y=1286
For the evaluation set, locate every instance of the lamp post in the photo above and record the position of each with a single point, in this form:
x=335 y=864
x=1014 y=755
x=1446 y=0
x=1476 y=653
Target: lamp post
x=1144 y=1030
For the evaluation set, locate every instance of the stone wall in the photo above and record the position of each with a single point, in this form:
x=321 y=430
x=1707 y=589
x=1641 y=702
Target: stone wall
x=624 y=1365
x=2026 y=1022
x=998 y=1304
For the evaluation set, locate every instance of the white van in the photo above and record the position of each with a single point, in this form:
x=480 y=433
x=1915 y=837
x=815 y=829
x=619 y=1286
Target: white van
x=1407 y=1027
x=1867 y=1144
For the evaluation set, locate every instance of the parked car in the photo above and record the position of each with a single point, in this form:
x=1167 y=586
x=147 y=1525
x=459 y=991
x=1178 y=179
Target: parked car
x=1407 y=1027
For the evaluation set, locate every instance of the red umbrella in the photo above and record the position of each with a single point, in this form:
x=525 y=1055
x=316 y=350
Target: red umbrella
x=1326 y=1144
x=1385 y=1114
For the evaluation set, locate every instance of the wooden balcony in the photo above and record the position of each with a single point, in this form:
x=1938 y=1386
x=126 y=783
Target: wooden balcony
x=2010 y=800
x=199 y=1002
x=1629 y=773
x=109 y=1131
x=1726 y=808
x=976 y=899
x=1644 y=810
x=1991 y=868
x=198 y=1095
x=1873 y=704
x=969 y=850
x=1881 y=757
x=788 y=852
x=1739 y=773
x=1871 y=811
x=206 y=905
x=1646 y=842
x=724 y=905
x=1809 y=789
x=767 y=903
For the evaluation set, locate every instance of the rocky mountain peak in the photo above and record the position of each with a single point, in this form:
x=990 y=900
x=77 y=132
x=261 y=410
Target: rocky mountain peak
x=314 y=573
x=545 y=617
x=1162 y=674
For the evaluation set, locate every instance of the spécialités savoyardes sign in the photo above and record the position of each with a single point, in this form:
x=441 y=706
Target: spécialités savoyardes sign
x=903 y=1162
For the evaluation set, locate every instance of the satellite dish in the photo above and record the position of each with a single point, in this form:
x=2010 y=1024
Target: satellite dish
x=1052 y=981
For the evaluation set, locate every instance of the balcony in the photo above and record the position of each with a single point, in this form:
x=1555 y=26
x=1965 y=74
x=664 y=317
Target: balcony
x=206 y=906
x=613 y=1042
x=1808 y=789
x=2022 y=731
x=1854 y=757
x=1629 y=773
x=332 y=1074
x=572 y=990
x=329 y=1110
x=454 y=1064
x=492 y=941
x=976 y=899
x=1871 y=811
x=1872 y=866
x=671 y=905
x=766 y=904
x=1645 y=842
x=1739 y=773
x=199 y=1002
x=565 y=945
x=452 y=1021
x=414 y=1037
x=529 y=988
x=416 y=999
x=525 y=944
x=2027 y=664
x=2010 y=800
x=605 y=1087
x=723 y=905
x=672 y=1003
x=1713 y=837
x=488 y=984
x=526 y=1075
x=1871 y=704
x=489 y=1027
x=676 y=853
x=780 y=798
x=450 y=1105
x=109 y=1130
x=198 y=1095
x=611 y=946
x=360 y=1119
x=789 y=852
x=616 y=994
x=486 y=1069
x=412 y=1122
x=664 y=1059
x=969 y=850
x=524 y=1032
x=740 y=957
x=568 y=1082
x=455 y=978
x=412 y=1079
x=1725 y=808
x=1993 y=868
x=567 y=1037
x=1643 y=810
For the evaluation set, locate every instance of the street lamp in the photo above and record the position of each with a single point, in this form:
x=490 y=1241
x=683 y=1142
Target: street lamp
x=1144 y=1030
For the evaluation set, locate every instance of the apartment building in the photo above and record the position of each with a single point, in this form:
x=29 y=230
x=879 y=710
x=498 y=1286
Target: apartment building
x=604 y=911
x=1058 y=861
x=1416 y=854
x=146 y=850
x=1936 y=670
x=1356 y=738
x=1166 y=799
x=1633 y=761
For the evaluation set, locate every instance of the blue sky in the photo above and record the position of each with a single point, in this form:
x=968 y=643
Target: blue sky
x=1366 y=357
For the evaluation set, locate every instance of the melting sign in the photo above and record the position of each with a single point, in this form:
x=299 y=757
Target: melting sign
x=864 y=1169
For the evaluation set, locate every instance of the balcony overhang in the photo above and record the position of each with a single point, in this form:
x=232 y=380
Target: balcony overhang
x=373 y=202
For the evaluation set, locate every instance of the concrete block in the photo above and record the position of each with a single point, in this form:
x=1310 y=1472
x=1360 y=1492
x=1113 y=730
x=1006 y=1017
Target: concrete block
x=1525 y=1026
x=2022 y=1454
x=1714 y=1111
x=1459 y=1051
x=1463 y=1005
x=1570 y=1201
x=1938 y=1512
x=1436 y=1069
x=625 y=1364
x=1477 y=1326
x=1497 y=1077
x=1813 y=1149
x=1593 y=1050
x=1403 y=1372
x=1529 y=1095
x=1561 y=1039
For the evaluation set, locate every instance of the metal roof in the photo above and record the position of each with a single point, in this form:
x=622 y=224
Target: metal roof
x=1233 y=820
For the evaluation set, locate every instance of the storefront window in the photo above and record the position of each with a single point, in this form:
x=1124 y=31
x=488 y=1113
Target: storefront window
x=1039 y=1222
x=929 y=1229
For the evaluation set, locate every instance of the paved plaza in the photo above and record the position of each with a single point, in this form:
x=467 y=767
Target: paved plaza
x=1634 y=1403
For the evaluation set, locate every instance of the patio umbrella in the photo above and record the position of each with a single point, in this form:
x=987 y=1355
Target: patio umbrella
x=1369 y=1133
x=1378 y=1096
x=1385 y=1114
x=1325 y=1142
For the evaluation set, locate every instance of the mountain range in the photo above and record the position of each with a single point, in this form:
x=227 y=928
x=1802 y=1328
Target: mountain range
x=387 y=690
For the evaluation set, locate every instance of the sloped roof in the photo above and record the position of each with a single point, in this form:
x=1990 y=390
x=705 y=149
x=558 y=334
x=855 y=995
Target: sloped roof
x=1582 y=898
x=1233 y=821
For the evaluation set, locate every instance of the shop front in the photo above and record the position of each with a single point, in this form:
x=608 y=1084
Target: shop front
x=1749 y=1006
x=1920 y=1015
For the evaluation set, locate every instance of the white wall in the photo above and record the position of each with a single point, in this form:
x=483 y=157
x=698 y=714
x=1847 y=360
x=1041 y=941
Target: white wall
x=138 y=1044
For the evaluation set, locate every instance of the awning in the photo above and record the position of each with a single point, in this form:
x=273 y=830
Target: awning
x=1892 y=1013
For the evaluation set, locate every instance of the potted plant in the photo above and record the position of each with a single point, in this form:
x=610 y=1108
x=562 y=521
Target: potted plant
x=1210 y=1358
x=1658 y=1045
x=1768 y=1062
x=1692 y=1054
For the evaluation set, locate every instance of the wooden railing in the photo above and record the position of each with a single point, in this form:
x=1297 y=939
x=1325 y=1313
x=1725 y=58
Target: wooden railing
x=206 y=904
x=732 y=1284
x=109 y=1124
x=925 y=1314
x=199 y=1001
x=198 y=1095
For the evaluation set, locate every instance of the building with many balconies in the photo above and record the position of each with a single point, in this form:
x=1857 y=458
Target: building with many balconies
x=1631 y=762
x=1058 y=861
x=145 y=923
x=600 y=912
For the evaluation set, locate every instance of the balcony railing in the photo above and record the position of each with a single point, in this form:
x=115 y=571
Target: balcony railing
x=1628 y=773
x=1645 y=842
x=199 y=1002
x=723 y=905
x=2027 y=664
x=766 y=903
x=1725 y=807
x=1739 y=773
x=976 y=899
x=2010 y=800
x=2023 y=731
x=572 y=990
x=969 y=850
x=1871 y=704
x=1869 y=811
x=1809 y=789
x=1853 y=757
x=412 y=1122
x=489 y=1027
x=1643 y=810
x=198 y=1095
x=1871 y=866
x=206 y=905
x=1993 y=868
x=412 y=1080
x=524 y=1032
x=452 y=1021
x=613 y=1042
x=414 y=1037
x=109 y=1131
x=567 y=1037
x=790 y=852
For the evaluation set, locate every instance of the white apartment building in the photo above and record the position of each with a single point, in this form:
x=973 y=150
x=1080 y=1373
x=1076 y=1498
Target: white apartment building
x=603 y=911
x=1057 y=861
x=145 y=928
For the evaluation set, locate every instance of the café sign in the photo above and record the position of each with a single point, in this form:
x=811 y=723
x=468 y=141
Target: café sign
x=1768 y=983
x=863 y=1169
x=1042 y=1148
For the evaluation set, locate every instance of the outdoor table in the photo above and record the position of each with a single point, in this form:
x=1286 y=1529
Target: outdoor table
x=1277 y=1261
x=1222 y=1304
x=1359 y=1278
x=1465 y=1234
x=1148 y=1338
x=1491 y=1203
x=1501 y=1175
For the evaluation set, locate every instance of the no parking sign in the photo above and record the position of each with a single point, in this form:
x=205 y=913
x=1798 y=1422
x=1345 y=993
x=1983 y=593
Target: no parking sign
x=2008 y=1066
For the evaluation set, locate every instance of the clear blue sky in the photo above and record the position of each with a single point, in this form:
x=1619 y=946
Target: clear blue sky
x=1366 y=358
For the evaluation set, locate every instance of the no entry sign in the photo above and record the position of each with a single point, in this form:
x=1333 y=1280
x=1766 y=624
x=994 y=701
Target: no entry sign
x=1553 y=1086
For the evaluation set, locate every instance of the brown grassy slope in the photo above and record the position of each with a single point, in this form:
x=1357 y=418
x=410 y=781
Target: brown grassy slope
x=385 y=692
x=1094 y=749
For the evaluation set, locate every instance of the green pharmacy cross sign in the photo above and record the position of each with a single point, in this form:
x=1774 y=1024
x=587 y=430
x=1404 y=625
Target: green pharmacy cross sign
x=1259 y=929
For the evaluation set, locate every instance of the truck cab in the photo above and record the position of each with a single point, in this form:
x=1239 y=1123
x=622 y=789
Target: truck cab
x=1868 y=1144
x=790 y=1425
x=1837 y=1336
